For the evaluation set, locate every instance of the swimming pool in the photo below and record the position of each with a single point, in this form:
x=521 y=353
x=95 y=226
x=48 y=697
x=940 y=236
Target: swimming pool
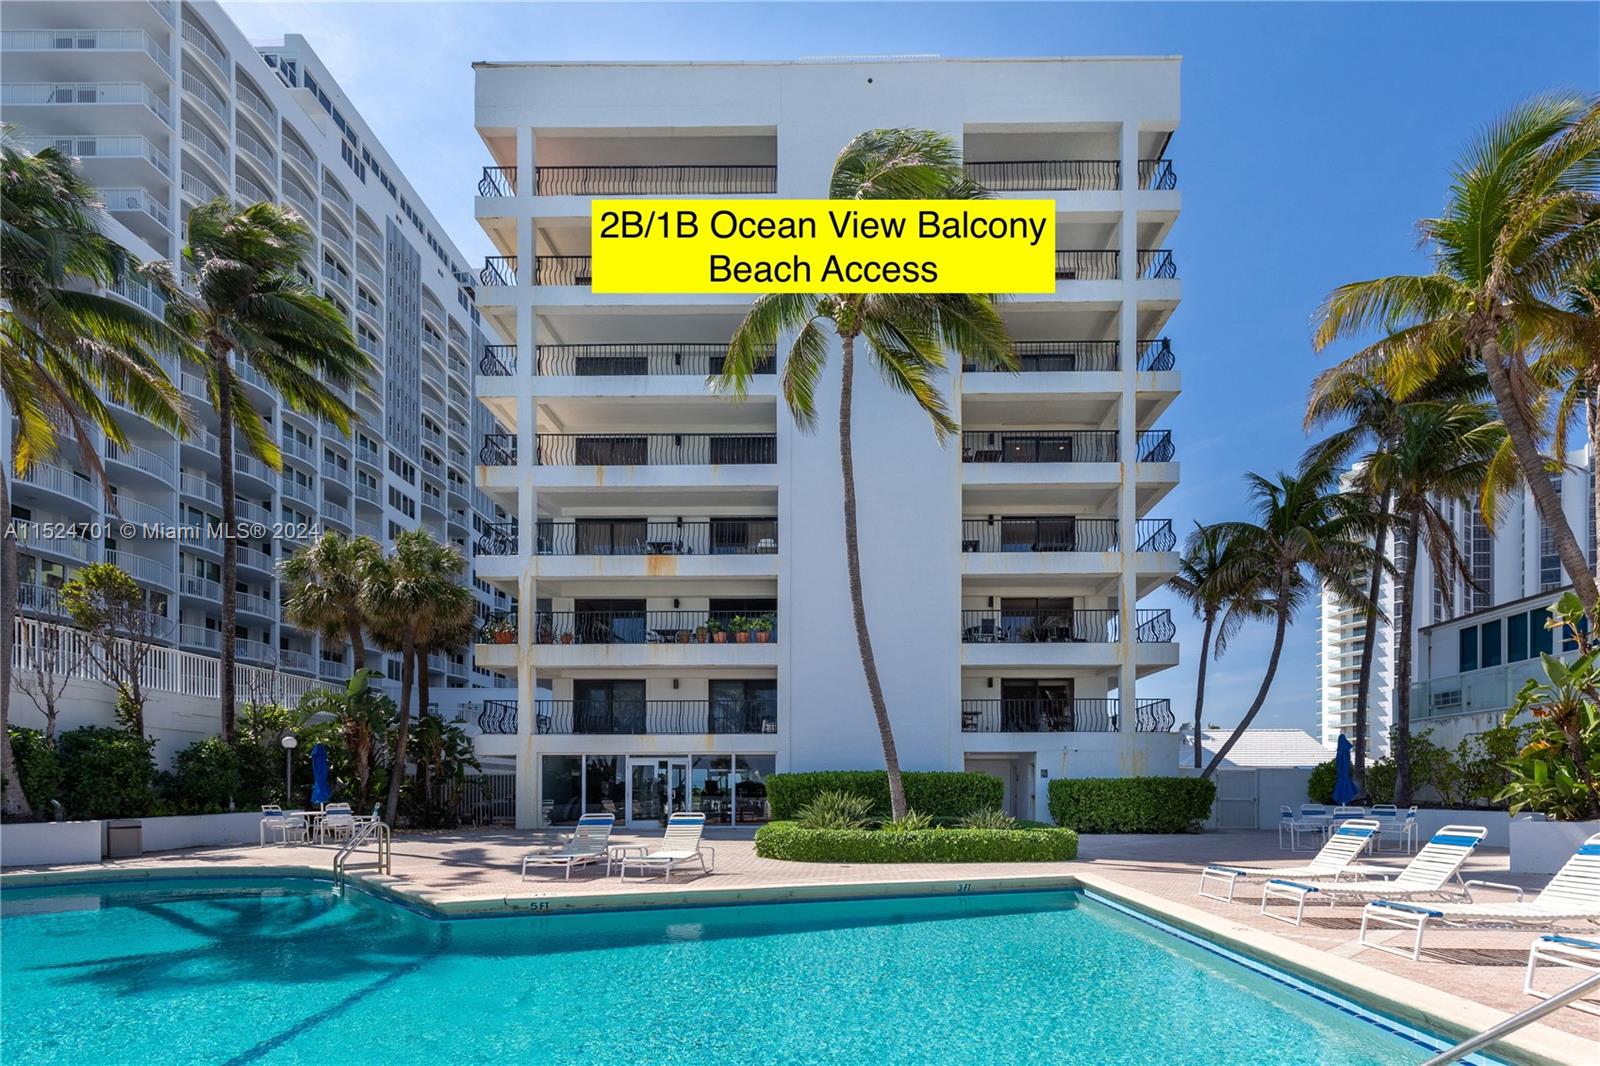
x=251 y=971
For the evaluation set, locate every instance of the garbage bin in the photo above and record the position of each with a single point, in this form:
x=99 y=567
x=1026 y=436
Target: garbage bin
x=124 y=839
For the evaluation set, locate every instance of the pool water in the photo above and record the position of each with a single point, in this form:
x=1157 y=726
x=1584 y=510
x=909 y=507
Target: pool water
x=246 y=971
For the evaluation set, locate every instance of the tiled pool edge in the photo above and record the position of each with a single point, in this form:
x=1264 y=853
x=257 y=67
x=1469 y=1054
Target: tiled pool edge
x=1446 y=1014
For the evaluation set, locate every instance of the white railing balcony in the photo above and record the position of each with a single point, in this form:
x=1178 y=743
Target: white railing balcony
x=199 y=188
x=368 y=345
x=253 y=651
x=368 y=492
x=257 y=104
x=335 y=472
x=333 y=668
x=296 y=491
x=200 y=637
x=208 y=145
x=433 y=436
x=306 y=205
x=140 y=458
x=246 y=511
x=300 y=662
x=336 y=512
x=145 y=514
x=137 y=200
x=337 y=274
x=367 y=306
x=140 y=568
x=93 y=146
x=369 y=233
x=292 y=150
x=365 y=528
x=251 y=603
x=203 y=587
x=142 y=295
x=368 y=272
x=299 y=450
x=248 y=373
x=253 y=557
x=249 y=464
x=432 y=466
x=250 y=192
x=18 y=94
x=199 y=88
x=432 y=405
x=86 y=40
x=340 y=198
x=369 y=452
x=434 y=375
x=61 y=480
x=200 y=486
x=202 y=41
x=256 y=150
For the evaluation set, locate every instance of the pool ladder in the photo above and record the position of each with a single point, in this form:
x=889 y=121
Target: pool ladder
x=1516 y=1021
x=373 y=832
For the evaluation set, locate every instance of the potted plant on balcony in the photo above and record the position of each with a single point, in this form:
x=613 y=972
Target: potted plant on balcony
x=683 y=636
x=701 y=633
x=719 y=634
x=500 y=630
x=762 y=628
x=546 y=633
x=741 y=628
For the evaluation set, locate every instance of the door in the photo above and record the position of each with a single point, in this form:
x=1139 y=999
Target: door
x=657 y=786
x=1237 y=799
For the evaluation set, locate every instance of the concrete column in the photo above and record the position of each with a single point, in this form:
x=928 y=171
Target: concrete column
x=525 y=179
x=1128 y=428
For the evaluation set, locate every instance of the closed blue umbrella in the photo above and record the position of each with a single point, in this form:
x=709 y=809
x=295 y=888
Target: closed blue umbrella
x=1344 y=788
x=320 y=789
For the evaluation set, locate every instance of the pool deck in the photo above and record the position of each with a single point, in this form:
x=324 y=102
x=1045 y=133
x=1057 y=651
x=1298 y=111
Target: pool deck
x=1473 y=977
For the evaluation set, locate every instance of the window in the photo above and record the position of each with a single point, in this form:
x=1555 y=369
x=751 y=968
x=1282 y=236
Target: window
x=1517 y=638
x=1478 y=594
x=1550 y=575
x=1538 y=618
x=1491 y=644
x=1468 y=637
x=744 y=707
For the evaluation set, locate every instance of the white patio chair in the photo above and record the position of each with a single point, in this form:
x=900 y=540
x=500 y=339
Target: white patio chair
x=1400 y=827
x=1426 y=876
x=1569 y=952
x=1335 y=860
x=589 y=843
x=1290 y=823
x=338 y=822
x=681 y=844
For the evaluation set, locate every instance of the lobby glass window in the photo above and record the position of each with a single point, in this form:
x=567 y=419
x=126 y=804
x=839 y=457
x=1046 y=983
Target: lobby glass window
x=711 y=785
x=750 y=787
x=1543 y=642
x=605 y=785
x=1517 y=638
x=1491 y=644
x=561 y=793
x=1469 y=648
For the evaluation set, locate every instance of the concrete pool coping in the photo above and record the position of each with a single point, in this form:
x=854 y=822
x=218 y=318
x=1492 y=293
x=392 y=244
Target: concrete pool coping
x=1442 y=1012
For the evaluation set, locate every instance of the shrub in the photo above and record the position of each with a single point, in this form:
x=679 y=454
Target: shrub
x=106 y=773
x=1319 y=786
x=836 y=810
x=38 y=769
x=988 y=818
x=1132 y=804
x=206 y=777
x=911 y=823
x=936 y=793
x=785 y=840
x=1379 y=782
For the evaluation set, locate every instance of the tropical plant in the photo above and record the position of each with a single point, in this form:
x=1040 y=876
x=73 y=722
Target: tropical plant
x=906 y=336
x=1557 y=771
x=322 y=589
x=1305 y=530
x=249 y=307
x=413 y=595
x=1520 y=222
x=358 y=722
x=121 y=629
x=1220 y=591
x=988 y=818
x=909 y=822
x=835 y=810
x=442 y=753
x=66 y=347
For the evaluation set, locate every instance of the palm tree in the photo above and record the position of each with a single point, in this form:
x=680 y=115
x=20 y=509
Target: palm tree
x=1305 y=530
x=1439 y=453
x=1520 y=222
x=250 y=307
x=410 y=596
x=65 y=348
x=323 y=586
x=1217 y=589
x=906 y=336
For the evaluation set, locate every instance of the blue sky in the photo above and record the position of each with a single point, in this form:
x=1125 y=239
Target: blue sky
x=1313 y=137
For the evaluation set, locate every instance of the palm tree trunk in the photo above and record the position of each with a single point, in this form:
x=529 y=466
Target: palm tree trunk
x=15 y=802
x=1200 y=682
x=1261 y=693
x=358 y=644
x=1369 y=640
x=402 y=733
x=1532 y=463
x=858 y=606
x=1592 y=410
x=230 y=547
x=1402 y=666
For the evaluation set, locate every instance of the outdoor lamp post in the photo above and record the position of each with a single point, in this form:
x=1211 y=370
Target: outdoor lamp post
x=289 y=744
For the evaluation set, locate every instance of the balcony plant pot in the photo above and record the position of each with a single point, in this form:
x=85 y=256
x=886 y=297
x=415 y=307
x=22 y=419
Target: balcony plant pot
x=701 y=633
x=503 y=637
x=683 y=636
x=742 y=636
x=566 y=638
x=763 y=636
x=719 y=637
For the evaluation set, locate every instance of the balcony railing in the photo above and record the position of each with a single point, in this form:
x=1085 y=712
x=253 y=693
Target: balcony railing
x=653 y=180
x=499 y=449
x=498 y=360
x=653 y=360
x=649 y=627
x=655 y=449
x=498 y=181
x=1082 y=265
x=85 y=39
x=1061 y=716
x=1060 y=446
x=498 y=270
x=1041 y=174
x=1053 y=357
x=1157 y=174
x=497 y=538
x=1157 y=263
x=1081 y=626
x=1059 y=533
x=498 y=717
x=563 y=270
x=716 y=536
x=637 y=717
x=1156 y=355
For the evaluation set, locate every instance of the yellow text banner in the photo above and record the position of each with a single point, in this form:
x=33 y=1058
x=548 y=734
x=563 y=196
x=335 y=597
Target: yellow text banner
x=823 y=246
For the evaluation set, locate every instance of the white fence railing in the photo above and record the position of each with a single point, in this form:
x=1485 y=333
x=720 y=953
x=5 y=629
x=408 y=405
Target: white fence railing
x=489 y=798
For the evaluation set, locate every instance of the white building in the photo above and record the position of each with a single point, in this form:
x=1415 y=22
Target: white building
x=1003 y=572
x=168 y=107
x=1515 y=562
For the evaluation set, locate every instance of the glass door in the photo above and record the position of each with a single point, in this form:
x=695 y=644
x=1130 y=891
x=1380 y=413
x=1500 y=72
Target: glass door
x=656 y=788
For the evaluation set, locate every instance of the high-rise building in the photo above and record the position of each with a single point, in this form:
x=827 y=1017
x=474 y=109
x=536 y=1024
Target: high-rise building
x=167 y=106
x=1003 y=571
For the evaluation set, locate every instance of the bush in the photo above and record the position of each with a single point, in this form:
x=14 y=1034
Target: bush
x=785 y=840
x=38 y=769
x=936 y=793
x=1132 y=804
x=836 y=810
x=1319 y=786
x=106 y=773
x=988 y=818
x=911 y=823
x=206 y=777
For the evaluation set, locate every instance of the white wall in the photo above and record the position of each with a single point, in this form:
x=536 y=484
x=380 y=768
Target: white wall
x=173 y=719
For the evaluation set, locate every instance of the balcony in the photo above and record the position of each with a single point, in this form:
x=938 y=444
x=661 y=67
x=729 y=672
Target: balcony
x=628 y=180
x=86 y=93
x=717 y=536
x=258 y=151
x=498 y=181
x=94 y=147
x=62 y=481
x=498 y=718
x=651 y=360
x=649 y=627
x=647 y=717
x=651 y=449
x=1060 y=533
x=293 y=150
x=1041 y=175
x=202 y=42
x=999 y=626
x=143 y=459
x=208 y=145
x=1100 y=265
x=1062 y=716
x=498 y=360
x=1064 y=356
x=201 y=90
x=498 y=270
x=1061 y=446
x=338 y=196
x=200 y=637
x=80 y=40
x=1157 y=174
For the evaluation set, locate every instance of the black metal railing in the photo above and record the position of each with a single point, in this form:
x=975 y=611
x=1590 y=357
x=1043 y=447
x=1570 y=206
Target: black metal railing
x=1081 y=265
x=1031 y=174
x=1153 y=716
x=653 y=627
x=1063 y=356
x=1157 y=174
x=563 y=270
x=499 y=449
x=1037 y=446
x=1156 y=535
x=498 y=627
x=498 y=360
x=1157 y=263
x=1156 y=354
x=624 y=717
x=498 y=717
x=996 y=625
x=653 y=360
x=1155 y=446
x=628 y=180
x=1062 y=716
x=497 y=538
x=656 y=449
x=498 y=270
x=498 y=181
x=716 y=536
x=1038 y=533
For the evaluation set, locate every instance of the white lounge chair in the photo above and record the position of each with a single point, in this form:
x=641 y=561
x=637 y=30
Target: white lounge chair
x=1293 y=824
x=1569 y=952
x=589 y=842
x=1573 y=895
x=1335 y=860
x=680 y=845
x=1426 y=876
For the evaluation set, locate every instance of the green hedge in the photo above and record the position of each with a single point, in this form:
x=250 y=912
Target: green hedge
x=107 y=773
x=785 y=840
x=936 y=793
x=1131 y=804
x=38 y=768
